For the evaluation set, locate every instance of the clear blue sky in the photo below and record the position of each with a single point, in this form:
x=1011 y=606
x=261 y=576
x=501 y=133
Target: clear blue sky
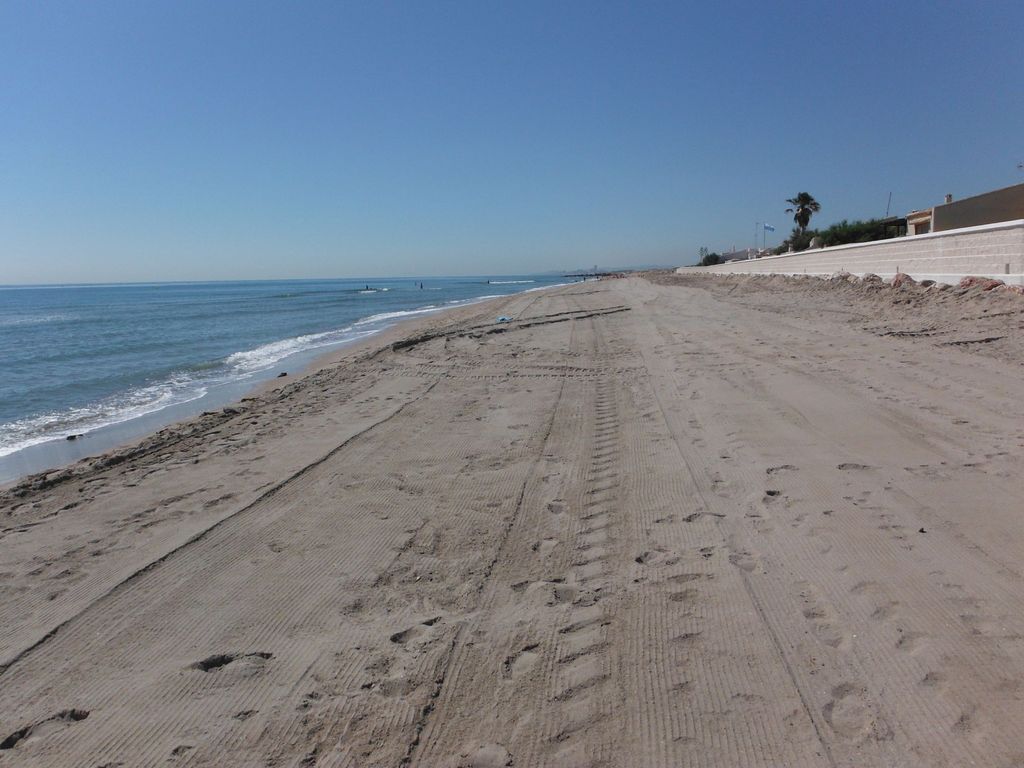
x=219 y=140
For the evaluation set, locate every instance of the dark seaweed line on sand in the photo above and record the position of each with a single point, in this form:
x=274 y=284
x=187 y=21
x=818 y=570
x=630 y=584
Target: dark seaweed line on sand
x=486 y=330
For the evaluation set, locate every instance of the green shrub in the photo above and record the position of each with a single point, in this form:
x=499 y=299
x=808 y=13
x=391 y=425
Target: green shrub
x=841 y=233
x=857 y=232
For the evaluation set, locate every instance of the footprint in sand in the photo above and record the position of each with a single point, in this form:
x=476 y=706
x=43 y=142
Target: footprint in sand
x=683 y=578
x=522 y=661
x=889 y=609
x=684 y=596
x=43 y=728
x=652 y=557
x=847 y=712
x=220 y=660
x=563 y=594
x=686 y=639
x=911 y=642
x=969 y=725
x=935 y=680
x=544 y=546
x=744 y=560
x=985 y=626
x=822 y=617
x=482 y=756
x=410 y=634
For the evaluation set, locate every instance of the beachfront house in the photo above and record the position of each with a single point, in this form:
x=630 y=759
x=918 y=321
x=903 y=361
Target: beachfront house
x=741 y=255
x=1005 y=204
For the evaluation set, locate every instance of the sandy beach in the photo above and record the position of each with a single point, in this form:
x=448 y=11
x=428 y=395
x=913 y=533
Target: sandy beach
x=654 y=521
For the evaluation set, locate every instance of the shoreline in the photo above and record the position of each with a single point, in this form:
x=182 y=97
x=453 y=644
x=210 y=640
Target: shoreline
x=154 y=425
x=122 y=437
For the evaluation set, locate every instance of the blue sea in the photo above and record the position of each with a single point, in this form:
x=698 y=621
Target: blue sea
x=110 y=362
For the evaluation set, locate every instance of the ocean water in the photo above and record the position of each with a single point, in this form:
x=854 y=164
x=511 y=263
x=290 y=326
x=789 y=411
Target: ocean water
x=81 y=360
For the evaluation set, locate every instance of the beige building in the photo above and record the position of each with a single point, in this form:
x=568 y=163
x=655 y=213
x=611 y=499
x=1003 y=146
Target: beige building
x=919 y=222
x=1005 y=204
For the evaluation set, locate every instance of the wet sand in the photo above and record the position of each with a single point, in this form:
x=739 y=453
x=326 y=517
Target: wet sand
x=664 y=521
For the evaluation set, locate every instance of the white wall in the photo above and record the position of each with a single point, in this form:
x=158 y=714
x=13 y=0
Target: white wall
x=991 y=250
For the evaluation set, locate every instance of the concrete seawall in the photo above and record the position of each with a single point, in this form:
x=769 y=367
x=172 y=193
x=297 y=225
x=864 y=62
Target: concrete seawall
x=991 y=250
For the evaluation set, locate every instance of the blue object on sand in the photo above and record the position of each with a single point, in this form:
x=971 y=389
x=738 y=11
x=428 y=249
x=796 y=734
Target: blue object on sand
x=504 y=319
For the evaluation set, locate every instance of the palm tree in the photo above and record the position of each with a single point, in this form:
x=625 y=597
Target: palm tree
x=803 y=206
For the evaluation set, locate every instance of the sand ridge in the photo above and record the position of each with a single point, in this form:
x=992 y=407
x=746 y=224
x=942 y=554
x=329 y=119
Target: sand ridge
x=649 y=522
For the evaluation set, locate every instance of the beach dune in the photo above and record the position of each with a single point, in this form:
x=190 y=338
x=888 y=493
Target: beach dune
x=650 y=521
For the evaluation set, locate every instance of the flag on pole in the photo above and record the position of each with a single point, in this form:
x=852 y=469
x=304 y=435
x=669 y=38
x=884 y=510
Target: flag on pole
x=769 y=228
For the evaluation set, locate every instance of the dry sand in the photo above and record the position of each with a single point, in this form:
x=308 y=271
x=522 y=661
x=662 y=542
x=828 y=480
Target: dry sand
x=666 y=522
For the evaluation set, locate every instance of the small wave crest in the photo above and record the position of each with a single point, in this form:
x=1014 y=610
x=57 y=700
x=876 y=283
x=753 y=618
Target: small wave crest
x=17 y=320
x=458 y=302
x=56 y=425
x=510 y=282
x=383 y=317
x=545 y=287
x=267 y=355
